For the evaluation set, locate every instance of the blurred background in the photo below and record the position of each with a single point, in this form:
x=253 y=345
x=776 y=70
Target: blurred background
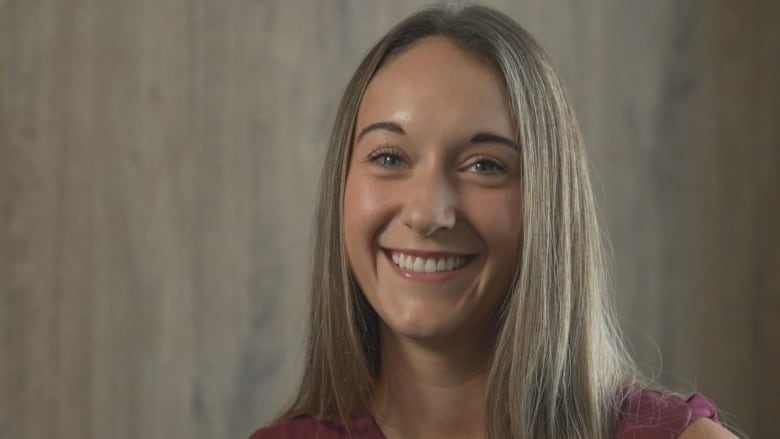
x=158 y=167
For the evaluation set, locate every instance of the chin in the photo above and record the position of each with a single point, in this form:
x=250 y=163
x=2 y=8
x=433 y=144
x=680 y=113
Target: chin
x=421 y=326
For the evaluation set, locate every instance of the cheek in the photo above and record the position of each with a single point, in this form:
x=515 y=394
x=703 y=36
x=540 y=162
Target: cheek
x=503 y=233
x=499 y=218
x=365 y=209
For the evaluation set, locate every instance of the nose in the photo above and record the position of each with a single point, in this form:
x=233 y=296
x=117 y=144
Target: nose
x=431 y=204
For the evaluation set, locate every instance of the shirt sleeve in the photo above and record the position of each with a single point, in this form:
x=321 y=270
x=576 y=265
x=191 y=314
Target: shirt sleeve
x=647 y=414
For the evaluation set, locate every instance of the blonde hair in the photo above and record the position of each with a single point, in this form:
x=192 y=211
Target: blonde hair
x=558 y=363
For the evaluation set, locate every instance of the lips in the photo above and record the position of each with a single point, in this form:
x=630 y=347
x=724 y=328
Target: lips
x=422 y=264
x=427 y=266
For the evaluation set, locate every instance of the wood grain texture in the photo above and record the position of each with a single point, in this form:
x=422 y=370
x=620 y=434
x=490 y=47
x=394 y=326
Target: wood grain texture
x=158 y=168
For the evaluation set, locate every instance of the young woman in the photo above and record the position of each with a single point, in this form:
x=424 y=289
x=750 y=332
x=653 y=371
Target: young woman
x=458 y=286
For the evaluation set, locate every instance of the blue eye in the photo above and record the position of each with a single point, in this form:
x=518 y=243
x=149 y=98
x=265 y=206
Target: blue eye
x=488 y=166
x=386 y=157
x=387 y=160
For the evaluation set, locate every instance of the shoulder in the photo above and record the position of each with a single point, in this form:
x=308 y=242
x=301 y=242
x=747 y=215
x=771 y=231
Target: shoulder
x=650 y=414
x=306 y=427
x=704 y=428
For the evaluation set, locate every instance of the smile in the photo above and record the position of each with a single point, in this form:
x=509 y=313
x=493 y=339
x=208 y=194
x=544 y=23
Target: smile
x=427 y=265
x=420 y=264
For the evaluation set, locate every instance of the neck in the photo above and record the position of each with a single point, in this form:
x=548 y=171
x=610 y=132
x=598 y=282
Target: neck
x=431 y=390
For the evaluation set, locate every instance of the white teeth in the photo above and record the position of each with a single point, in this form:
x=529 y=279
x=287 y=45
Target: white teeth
x=427 y=265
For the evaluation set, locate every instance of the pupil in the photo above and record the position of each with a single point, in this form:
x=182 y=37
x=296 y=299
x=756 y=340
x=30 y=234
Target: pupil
x=484 y=166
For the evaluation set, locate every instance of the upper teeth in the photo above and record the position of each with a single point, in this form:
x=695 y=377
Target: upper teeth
x=427 y=265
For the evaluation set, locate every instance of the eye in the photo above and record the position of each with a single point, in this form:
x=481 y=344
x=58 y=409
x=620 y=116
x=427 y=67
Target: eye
x=386 y=157
x=487 y=166
x=388 y=160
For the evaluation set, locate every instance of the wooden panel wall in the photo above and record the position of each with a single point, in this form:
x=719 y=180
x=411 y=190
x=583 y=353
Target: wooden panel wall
x=159 y=159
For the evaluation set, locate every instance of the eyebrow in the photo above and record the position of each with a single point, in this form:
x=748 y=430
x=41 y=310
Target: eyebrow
x=388 y=126
x=483 y=137
x=480 y=137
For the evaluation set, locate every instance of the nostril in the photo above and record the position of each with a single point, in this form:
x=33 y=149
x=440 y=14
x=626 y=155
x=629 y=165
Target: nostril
x=427 y=226
x=431 y=203
x=427 y=218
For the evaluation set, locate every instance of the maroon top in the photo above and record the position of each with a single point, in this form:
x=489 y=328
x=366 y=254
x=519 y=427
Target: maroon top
x=646 y=414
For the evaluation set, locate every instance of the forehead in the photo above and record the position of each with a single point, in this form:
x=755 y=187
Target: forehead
x=435 y=78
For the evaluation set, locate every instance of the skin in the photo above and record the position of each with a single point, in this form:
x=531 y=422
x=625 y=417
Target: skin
x=706 y=429
x=434 y=172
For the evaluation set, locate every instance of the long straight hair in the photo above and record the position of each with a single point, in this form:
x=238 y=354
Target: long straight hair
x=558 y=364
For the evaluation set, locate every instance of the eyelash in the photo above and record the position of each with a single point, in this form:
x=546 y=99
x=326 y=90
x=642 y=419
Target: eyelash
x=498 y=164
x=388 y=151
x=384 y=151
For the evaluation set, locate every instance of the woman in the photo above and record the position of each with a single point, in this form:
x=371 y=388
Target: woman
x=458 y=286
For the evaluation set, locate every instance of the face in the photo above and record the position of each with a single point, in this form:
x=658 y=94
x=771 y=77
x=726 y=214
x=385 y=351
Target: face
x=432 y=203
